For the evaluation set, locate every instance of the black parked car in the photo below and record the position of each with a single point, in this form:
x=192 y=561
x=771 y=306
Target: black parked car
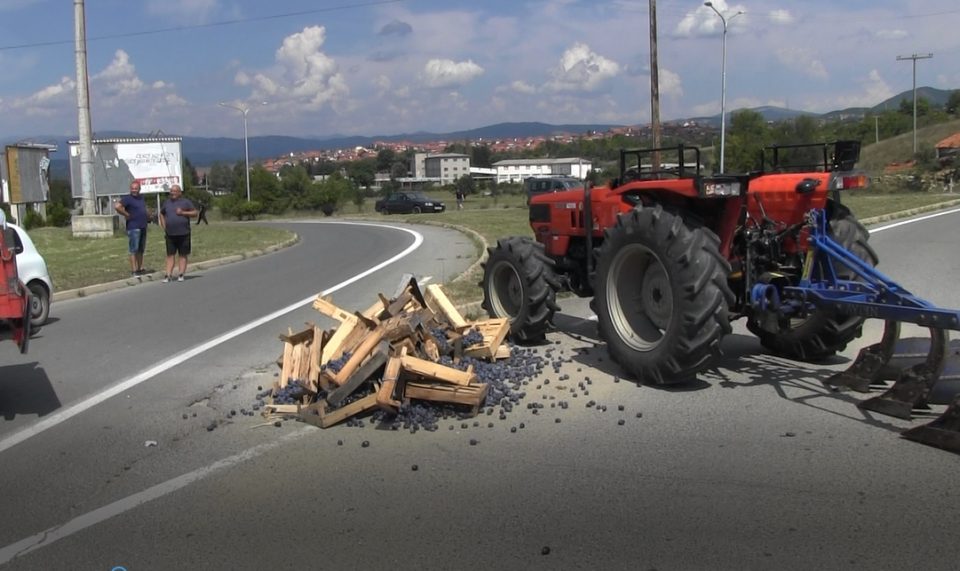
x=408 y=202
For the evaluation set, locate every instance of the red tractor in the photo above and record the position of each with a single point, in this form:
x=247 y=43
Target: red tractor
x=14 y=295
x=671 y=256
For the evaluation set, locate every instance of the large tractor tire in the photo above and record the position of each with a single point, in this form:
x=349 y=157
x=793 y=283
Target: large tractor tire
x=519 y=283
x=662 y=298
x=820 y=336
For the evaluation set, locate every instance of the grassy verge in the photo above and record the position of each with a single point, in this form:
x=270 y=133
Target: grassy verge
x=74 y=262
x=867 y=205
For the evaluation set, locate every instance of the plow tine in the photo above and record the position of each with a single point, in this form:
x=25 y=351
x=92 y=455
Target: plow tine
x=870 y=363
x=943 y=432
x=914 y=383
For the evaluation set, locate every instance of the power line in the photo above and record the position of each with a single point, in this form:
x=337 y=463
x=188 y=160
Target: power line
x=207 y=25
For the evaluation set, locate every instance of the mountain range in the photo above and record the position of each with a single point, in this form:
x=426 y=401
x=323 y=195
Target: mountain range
x=204 y=151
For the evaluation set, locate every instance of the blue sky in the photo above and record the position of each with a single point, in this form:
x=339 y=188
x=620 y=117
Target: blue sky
x=387 y=67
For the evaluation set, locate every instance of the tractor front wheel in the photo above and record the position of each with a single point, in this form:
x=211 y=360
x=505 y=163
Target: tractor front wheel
x=662 y=299
x=519 y=284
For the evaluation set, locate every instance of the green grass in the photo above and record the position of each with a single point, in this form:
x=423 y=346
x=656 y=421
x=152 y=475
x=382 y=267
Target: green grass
x=873 y=158
x=867 y=205
x=77 y=262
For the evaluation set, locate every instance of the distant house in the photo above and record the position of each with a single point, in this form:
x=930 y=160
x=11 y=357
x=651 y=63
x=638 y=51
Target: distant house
x=515 y=170
x=948 y=149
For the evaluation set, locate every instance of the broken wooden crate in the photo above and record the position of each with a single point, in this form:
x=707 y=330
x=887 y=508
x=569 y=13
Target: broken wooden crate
x=385 y=356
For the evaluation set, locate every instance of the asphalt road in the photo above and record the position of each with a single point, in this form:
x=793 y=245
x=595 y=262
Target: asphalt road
x=756 y=467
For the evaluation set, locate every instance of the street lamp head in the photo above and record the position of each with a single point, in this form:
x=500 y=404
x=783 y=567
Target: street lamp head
x=710 y=4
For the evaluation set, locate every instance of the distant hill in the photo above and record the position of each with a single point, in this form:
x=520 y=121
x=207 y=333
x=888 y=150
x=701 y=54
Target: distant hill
x=875 y=157
x=203 y=151
x=935 y=96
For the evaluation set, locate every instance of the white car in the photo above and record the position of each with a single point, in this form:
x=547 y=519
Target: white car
x=32 y=270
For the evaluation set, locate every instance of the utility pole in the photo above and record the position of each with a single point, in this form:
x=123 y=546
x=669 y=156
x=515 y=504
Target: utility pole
x=654 y=87
x=876 y=126
x=914 y=58
x=88 y=203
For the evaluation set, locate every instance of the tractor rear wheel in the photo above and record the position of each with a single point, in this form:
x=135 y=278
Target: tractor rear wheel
x=662 y=298
x=820 y=336
x=519 y=283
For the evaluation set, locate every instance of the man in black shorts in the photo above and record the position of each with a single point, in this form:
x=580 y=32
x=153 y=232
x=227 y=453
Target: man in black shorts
x=175 y=215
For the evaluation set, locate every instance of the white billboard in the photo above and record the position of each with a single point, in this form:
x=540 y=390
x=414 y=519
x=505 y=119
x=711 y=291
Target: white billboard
x=155 y=162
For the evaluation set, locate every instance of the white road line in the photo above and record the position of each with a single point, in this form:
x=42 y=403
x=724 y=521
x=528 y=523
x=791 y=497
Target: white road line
x=99 y=515
x=125 y=385
x=912 y=220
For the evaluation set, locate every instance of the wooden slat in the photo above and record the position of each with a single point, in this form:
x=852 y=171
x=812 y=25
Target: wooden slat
x=442 y=304
x=391 y=376
x=316 y=415
x=503 y=352
x=473 y=395
x=313 y=360
x=365 y=348
x=437 y=371
x=287 y=363
x=494 y=331
x=326 y=307
x=377 y=359
x=337 y=344
x=281 y=408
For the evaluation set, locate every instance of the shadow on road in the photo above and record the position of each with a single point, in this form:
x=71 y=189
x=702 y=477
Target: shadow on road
x=744 y=366
x=26 y=389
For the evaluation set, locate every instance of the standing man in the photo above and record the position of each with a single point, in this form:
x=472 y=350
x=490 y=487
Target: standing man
x=134 y=208
x=175 y=215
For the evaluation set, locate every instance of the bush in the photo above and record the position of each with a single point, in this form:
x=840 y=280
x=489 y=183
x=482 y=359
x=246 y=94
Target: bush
x=32 y=220
x=234 y=206
x=58 y=215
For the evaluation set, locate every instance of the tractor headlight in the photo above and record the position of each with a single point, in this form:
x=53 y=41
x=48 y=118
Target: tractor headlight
x=729 y=188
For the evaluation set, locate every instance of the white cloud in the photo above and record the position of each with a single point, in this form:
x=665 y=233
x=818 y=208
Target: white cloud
x=120 y=76
x=581 y=69
x=382 y=83
x=781 y=17
x=890 y=34
x=303 y=74
x=522 y=87
x=703 y=21
x=670 y=83
x=54 y=92
x=449 y=73
x=874 y=90
x=800 y=59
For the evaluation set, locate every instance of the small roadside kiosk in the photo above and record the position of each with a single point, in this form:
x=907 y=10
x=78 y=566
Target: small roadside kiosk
x=25 y=174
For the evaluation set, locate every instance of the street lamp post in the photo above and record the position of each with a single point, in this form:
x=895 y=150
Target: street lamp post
x=723 y=82
x=246 y=147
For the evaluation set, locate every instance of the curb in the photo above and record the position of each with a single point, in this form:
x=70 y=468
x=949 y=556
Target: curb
x=909 y=213
x=157 y=276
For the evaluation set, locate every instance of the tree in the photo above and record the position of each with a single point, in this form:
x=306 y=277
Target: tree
x=221 y=178
x=265 y=189
x=190 y=176
x=465 y=184
x=295 y=182
x=385 y=159
x=923 y=106
x=748 y=135
x=398 y=170
x=482 y=156
x=362 y=172
x=953 y=103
